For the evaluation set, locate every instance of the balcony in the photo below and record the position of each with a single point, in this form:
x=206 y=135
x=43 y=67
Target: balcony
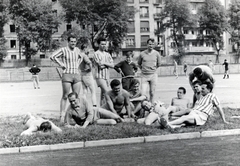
x=131 y=30
x=156 y=16
x=190 y=36
x=146 y=15
x=199 y=49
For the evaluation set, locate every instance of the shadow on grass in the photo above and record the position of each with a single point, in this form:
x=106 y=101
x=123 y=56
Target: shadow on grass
x=11 y=127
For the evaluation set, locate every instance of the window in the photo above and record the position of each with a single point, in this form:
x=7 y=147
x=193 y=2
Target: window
x=54 y=0
x=68 y=27
x=201 y=32
x=54 y=13
x=158 y=10
x=42 y=56
x=185 y=31
x=144 y=12
x=131 y=27
x=173 y=44
x=12 y=28
x=144 y=39
x=207 y=32
x=13 y=56
x=131 y=10
x=194 y=44
x=158 y=1
x=144 y=26
x=192 y=32
x=130 y=1
x=12 y=43
x=130 y=42
x=143 y=1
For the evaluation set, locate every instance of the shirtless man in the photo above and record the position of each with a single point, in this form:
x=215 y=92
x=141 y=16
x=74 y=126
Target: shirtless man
x=35 y=124
x=179 y=103
x=117 y=99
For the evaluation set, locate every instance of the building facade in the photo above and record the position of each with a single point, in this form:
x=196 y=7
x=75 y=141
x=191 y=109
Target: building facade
x=144 y=25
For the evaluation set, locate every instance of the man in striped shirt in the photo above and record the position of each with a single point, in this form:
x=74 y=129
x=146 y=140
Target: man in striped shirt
x=199 y=114
x=69 y=59
x=103 y=62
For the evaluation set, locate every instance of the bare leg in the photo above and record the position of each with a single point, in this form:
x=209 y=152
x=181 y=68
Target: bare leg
x=152 y=117
x=63 y=104
x=104 y=88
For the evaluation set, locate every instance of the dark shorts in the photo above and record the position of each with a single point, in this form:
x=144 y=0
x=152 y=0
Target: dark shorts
x=126 y=83
x=71 y=78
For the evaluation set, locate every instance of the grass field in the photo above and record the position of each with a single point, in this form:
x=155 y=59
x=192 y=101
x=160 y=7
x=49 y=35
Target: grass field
x=11 y=127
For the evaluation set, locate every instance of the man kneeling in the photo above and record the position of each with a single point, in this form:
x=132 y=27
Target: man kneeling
x=199 y=114
x=35 y=124
x=80 y=114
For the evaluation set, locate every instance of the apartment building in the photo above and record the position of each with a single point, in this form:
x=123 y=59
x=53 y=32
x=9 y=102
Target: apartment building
x=144 y=25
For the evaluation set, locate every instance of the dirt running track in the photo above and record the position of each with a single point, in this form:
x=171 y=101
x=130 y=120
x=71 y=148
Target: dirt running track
x=20 y=97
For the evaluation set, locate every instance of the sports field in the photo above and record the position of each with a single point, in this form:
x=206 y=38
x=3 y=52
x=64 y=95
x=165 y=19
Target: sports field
x=20 y=97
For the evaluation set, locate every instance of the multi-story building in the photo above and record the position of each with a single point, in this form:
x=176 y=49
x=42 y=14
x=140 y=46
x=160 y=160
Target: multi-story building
x=144 y=25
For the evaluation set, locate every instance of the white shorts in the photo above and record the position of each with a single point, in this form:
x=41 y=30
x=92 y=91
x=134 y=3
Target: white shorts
x=200 y=117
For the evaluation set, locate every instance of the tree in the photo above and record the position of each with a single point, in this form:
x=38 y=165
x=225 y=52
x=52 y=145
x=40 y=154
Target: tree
x=108 y=18
x=213 y=19
x=35 y=23
x=234 y=21
x=3 y=21
x=176 y=15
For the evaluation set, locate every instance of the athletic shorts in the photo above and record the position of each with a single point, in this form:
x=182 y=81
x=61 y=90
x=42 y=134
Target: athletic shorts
x=100 y=80
x=88 y=81
x=200 y=117
x=72 y=78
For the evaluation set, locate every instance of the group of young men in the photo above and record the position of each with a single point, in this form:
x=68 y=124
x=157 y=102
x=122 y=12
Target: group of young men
x=124 y=102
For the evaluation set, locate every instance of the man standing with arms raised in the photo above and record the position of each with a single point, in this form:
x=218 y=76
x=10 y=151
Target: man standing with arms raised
x=149 y=60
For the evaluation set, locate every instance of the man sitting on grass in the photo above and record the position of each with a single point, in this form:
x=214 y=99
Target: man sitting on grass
x=35 y=124
x=199 y=114
x=117 y=99
x=136 y=98
x=80 y=114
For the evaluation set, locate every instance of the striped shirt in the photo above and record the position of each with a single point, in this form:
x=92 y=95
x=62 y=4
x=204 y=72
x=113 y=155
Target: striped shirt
x=206 y=103
x=68 y=58
x=102 y=57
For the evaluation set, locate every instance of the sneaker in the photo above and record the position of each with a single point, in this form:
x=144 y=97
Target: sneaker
x=163 y=122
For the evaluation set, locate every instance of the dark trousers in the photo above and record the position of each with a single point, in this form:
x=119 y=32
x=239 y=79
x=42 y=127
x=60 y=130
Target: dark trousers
x=126 y=83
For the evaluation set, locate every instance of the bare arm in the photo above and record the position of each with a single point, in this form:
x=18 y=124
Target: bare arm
x=219 y=108
x=30 y=130
x=127 y=106
x=55 y=128
x=55 y=58
x=110 y=104
x=140 y=98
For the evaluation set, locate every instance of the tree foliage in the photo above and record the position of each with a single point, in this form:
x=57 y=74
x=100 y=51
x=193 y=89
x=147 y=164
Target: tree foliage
x=234 y=21
x=3 y=21
x=108 y=18
x=213 y=18
x=176 y=15
x=35 y=23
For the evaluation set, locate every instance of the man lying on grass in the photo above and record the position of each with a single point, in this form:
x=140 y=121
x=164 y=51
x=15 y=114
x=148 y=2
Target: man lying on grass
x=35 y=123
x=80 y=114
x=200 y=113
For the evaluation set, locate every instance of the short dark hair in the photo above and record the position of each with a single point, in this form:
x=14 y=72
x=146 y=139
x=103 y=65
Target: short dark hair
x=71 y=36
x=45 y=126
x=209 y=85
x=129 y=53
x=134 y=82
x=150 y=39
x=101 y=39
x=73 y=94
x=197 y=71
x=115 y=83
x=197 y=82
x=182 y=88
x=83 y=46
